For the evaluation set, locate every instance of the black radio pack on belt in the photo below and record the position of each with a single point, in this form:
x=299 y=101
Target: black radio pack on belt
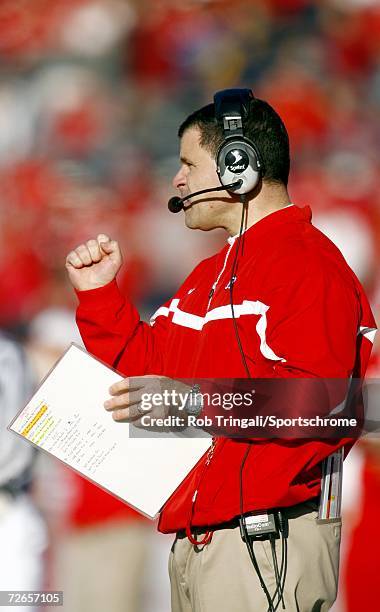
x=264 y=525
x=259 y=526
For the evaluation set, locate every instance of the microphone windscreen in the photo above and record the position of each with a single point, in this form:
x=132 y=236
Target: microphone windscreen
x=175 y=204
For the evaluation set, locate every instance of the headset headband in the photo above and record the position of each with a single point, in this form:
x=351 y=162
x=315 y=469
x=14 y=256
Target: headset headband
x=232 y=109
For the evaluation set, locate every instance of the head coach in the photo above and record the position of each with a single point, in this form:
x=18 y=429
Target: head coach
x=278 y=301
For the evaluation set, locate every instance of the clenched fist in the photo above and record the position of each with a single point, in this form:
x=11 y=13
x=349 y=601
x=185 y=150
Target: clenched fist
x=94 y=264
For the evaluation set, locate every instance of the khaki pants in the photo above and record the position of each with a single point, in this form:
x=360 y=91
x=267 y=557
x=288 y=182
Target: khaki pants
x=220 y=577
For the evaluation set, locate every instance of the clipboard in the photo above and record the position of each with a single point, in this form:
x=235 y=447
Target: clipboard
x=65 y=418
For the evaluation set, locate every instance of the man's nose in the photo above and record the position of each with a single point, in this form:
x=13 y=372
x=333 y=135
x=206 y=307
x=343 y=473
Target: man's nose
x=179 y=180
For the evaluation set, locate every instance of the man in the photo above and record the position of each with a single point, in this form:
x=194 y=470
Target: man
x=278 y=301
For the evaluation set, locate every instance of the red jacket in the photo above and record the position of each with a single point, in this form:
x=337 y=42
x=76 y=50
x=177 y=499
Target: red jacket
x=301 y=312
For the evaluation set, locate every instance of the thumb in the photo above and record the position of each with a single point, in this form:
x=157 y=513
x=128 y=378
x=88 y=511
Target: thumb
x=107 y=247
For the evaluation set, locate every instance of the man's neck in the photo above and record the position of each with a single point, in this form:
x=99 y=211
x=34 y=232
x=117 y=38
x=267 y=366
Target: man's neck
x=270 y=199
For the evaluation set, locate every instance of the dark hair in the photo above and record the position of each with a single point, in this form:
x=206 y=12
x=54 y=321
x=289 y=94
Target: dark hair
x=263 y=127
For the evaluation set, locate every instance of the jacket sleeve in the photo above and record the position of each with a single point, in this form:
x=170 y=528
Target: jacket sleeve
x=112 y=330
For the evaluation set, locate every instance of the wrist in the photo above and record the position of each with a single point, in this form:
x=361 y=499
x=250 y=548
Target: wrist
x=106 y=294
x=194 y=403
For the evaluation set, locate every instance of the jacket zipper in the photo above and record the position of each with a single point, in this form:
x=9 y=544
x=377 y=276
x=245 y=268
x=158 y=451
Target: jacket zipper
x=212 y=292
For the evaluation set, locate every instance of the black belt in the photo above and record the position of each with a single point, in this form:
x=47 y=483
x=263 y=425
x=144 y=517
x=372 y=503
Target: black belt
x=289 y=512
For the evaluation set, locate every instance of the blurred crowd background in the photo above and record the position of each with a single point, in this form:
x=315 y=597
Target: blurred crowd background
x=91 y=96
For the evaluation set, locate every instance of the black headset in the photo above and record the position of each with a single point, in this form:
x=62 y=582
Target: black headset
x=237 y=157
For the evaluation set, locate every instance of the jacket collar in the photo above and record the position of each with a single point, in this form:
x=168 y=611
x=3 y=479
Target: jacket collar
x=290 y=213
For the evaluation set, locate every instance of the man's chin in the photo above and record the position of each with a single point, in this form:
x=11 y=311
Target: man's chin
x=195 y=221
x=190 y=220
x=190 y=223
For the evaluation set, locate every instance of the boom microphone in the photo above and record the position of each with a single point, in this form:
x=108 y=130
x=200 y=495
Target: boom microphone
x=175 y=204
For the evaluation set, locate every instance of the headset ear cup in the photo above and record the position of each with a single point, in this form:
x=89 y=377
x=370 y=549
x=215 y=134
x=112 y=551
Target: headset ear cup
x=238 y=159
